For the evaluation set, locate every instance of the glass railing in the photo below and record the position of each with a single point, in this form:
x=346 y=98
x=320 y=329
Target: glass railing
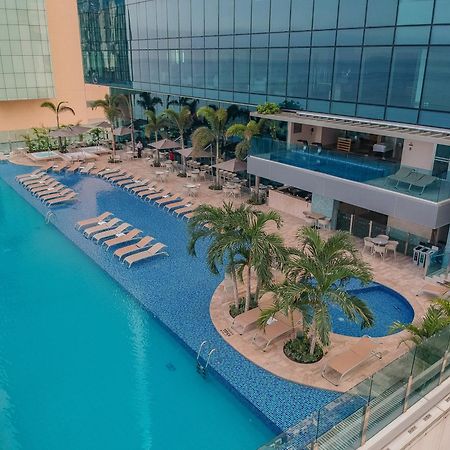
x=363 y=411
x=438 y=264
x=350 y=166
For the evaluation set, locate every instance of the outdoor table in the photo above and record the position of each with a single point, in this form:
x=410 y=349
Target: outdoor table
x=191 y=188
x=161 y=175
x=380 y=241
x=313 y=215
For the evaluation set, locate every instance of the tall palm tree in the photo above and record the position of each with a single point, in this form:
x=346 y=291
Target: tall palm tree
x=111 y=108
x=155 y=124
x=213 y=133
x=221 y=228
x=316 y=277
x=246 y=133
x=147 y=102
x=58 y=108
x=126 y=102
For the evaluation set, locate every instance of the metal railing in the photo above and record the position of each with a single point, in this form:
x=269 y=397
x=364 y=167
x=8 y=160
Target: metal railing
x=360 y=413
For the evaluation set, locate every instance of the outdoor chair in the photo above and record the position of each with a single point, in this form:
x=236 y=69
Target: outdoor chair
x=392 y=247
x=368 y=245
x=379 y=250
x=324 y=224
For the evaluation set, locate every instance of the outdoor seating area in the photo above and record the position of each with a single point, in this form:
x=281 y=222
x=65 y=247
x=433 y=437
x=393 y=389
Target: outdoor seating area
x=380 y=246
x=412 y=178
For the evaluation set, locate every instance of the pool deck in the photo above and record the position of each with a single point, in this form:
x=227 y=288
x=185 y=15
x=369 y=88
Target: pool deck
x=400 y=275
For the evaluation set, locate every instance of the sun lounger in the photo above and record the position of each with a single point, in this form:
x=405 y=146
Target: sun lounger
x=107 y=175
x=249 y=320
x=191 y=206
x=112 y=232
x=126 y=181
x=36 y=189
x=423 y=182
x=142 y=244
x=74 y=167
x=154 y=250
x=145 y=187
x=340 y=365
x=87 y=168
x=400 y=175
x=150 y=191
x=51 y=189
x=156 y=195
x=278 y=327
x=101 y=226
x=137 y=184
x=173 y=198
x=92 y=221
x=98 y=170
x=48 y=196
x=123 y=238
x=66 y=198
x=125 y=176
x=178 y=204
x=436 y=290
x=37 y=180
x=62 y=166
x=37 y=173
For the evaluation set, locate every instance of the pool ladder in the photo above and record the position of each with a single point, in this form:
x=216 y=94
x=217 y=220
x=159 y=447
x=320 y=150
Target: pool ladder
x=201 y=367
x=49 y=216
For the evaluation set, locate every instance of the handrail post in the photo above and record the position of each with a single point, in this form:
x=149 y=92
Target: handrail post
x=444 y=365
x=370 y=228
x=365 y=424
x=351 y=223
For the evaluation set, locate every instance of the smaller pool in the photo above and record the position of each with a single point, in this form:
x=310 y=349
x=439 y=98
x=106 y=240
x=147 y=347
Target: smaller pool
x=42 y=156
x=387 y=306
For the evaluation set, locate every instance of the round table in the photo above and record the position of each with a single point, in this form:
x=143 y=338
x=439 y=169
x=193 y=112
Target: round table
x=161 y=175
x=380 y=241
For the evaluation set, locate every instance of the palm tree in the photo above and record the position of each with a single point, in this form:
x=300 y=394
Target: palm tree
x=221 y=228
x=111 y=108
x=127 y=110
x=147 y=102
x=316 y=277
x=246 y=133
x=58 y=109
x=155 y=124
x=262 y=251
x=214 y=132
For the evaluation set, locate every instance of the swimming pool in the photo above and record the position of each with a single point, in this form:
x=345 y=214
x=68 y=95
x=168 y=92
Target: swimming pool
x=387 y=306
x=42 y=156
x=178 y=290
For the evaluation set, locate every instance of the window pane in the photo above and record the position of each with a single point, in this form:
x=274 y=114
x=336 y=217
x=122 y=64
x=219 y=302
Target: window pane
x=280 y=15
x=277 y=71
x=241 y=70
x=411 y=12
x=258 y=71
x=161 y=7
x=154 y=66
x=211 y=17
x=163 y=66
x=381 y=12
x=325 y=14
x=174 y=67
x=374 y=75
x=321 y=72
x=185 y=17
x=346 y=74
x=198 y=28
x=440 y=34
x=436 y=94
x=301 y=14
x=260 y=16
x=186 y=67
x=352 y=14
x=198 y=68
x=211 y=69
x=412 y=35
x=441 y=11
x=151 y=19
x=172 y=6
x=225 y=74
x=226 y=15
x=408 y=69
x=242 y=17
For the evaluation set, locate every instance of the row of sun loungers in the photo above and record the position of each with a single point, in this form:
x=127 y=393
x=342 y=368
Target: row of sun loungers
x=412 y=178
x=46 y=188
x=111 y=232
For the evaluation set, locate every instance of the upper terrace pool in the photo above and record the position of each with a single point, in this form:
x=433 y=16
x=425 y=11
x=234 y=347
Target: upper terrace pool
x=362 y=169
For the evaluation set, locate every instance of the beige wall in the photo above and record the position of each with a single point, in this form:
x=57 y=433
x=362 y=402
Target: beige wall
x=418 y=154
x=67 y=67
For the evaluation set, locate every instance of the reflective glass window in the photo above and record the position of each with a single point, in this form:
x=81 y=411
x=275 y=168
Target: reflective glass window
x=186 y=67
x=279 y=39
x=211 y=17
x=163 y=56
x=346 y=73
x=226 y=16
x=242 y=70
x=325 y=14
x=379 y=36
x=349 y=37
x=260 y=40
x=277 y=71
x=142 y=23
x=185 y=17
x=242 y=17
x=198 y=68
x=280 y=15
x=374 y=75
x=321 y=72
x=258 y=71
x=172 y=18
x=323 y=38
x=260 y=16
x=301 y=39
x=440 y=34
x=352 y=14
x=154 y=66
x=225 y=72
x=412 y=35
x=381 y=13
x=242 y=40
x=226 y=41
x=174 y=67
x=301 y=15
x=441 y=11
x=407 y=74
x=436 y=94
x=161 y=8
x=151 y=20
x=412 y=12
x=198 y=19
x=212 y=69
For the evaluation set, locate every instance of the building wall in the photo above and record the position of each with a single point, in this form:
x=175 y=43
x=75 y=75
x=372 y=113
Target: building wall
x=381 y=59
x=67 y=73
x=418 y=154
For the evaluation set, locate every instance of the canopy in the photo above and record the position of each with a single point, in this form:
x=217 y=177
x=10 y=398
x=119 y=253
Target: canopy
x=122 y=131
x=193 y=153
x=233 y=165
x=69 y=131
x=103 y=124
x=165 y=144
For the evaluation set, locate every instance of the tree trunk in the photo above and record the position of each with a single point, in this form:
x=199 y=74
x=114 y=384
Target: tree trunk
x=257 y=288
x=57 y=127
x=235 y=288
x=183 y=158
x=313 y=338
x=217 y=161
x=249 y=288
x=113 y=142
x=157 y=151
x=257 y=189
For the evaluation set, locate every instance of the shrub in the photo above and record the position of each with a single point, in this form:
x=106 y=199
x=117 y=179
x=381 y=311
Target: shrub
x=297 y=350
x=235 y=311
x=268 y=108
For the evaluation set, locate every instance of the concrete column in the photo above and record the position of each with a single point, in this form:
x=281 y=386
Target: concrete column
x=326 y=206
x=289 y=133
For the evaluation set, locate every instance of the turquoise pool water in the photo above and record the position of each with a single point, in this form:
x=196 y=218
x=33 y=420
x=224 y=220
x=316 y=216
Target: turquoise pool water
x=84 y=366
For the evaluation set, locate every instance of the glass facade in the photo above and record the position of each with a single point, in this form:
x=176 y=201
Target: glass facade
x=25 y=63
x=381 y=59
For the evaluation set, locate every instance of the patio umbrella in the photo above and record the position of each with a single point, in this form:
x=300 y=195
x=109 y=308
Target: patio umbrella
x=103 y=124
x=193 y=153
x=59 y=133
x=122 y=131
x=165 y=144
x=65 y=132
x=233 y=165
